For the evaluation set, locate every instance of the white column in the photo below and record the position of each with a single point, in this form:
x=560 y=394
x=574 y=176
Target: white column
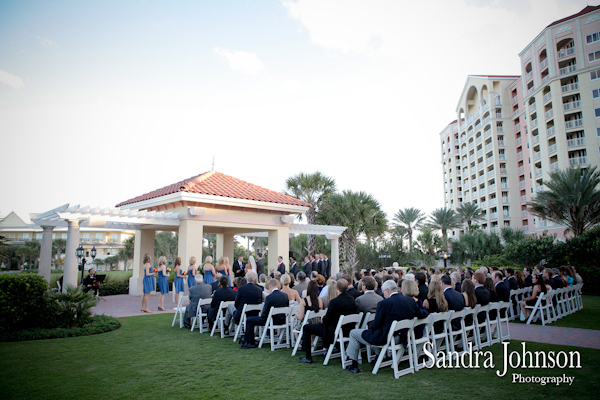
x=220 y=245
x=71 y=262
x=279 y=245
x=228 y=246
x=335 y=252
x=190 y=243
x=46 y=253
x=144 y=243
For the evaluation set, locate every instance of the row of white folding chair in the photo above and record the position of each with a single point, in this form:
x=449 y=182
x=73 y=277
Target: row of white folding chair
x=516 y=297
x=567 y=300
x=308 y=315
x=341 y=340
x=219 y=322
x=279 y=335
x=241 y=327
x=180 y=310
x=543 y=308
x=201 y=317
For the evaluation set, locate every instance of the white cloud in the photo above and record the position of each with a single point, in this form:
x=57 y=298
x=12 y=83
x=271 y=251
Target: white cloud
x=241 y=61
x=11 y=80
x=46 y=42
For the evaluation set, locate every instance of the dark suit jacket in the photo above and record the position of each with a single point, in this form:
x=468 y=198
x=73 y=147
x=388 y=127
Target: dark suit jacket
x=395 y=308
x=260 y=267
x=528 y=281
x=215 y=286
x=294 y=269
x=238 y=269
x=308 y=269
x=456 y=300
x=344 y=304
x=315 y=266
x=503 y=291
x=353 y=292
x=556 y=282
x=275 y=299
x=247 y=294
x=327 y=268
x=512 y=283
x=423 y=291
x=223 y=294
x=281 y=268
x=482 y=295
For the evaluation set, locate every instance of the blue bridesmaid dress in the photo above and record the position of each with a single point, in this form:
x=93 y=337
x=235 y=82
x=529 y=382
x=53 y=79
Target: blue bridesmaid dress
x=179 y=287
x=191 y=279
x=163 y=283
x=208 y=277
x=149 y=282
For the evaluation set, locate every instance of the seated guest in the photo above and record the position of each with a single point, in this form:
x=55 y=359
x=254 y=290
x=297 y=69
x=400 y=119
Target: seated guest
x=468 y=293
x=312 y=302
x=262 y=280
x=320 y=279
x=343 y=304
x=528 y=272
x=489 y=285
x=331 y=293
x=511 y=280
x=520 y=277
x=285 y=288
x=275 y=299
x=369 y=299
x=379 y=281
x=224 y=293
x=395 y=307
x=410 y=289
x=456 y=280
x=554 y=278
x=540 y=285
x=215 y=284
x=351 y=290
x=455 y=300
x=357 y=278
x=90 y=282
x=481 y=293
x=302 y=283
x=250 y=293
x=198 y=292
x=502 y=289
x=436 y=302
x=423 y=289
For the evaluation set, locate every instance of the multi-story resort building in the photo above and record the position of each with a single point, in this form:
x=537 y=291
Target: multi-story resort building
x=512 y=131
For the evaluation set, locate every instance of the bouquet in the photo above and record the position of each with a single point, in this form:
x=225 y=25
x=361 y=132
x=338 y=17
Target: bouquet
x=184 y=273
x=169 y=270
x=154 y=270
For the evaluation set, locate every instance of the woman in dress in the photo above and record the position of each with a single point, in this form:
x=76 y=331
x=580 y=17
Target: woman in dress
x=163 y=281
x=251 y=265
x=149 y=283
x=540 y=285
x=436 y=302
x=209 y=270
x=293 y=295
x=192 y=271
x=223 y=267
x=312 y=302
x=179 y=276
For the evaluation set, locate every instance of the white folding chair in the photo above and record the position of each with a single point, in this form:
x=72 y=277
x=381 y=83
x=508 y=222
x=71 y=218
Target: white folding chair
x=220 y=321
x=544 y=307
x=307 y=316
x=470 y=314
x=342 y=340
x=283 y=330
x=369 y=317
x=493 y=324
x=440 y=340
x=503 y=312
x=180 y=310
x=294 y=309
x=483 y=328
x=455 y=336
x=514 y=297
x=418 y=344
x=241 y=327
x=398 y=351
x=201 y=317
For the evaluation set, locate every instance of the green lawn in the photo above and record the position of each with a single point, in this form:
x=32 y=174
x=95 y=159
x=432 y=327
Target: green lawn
x=147 y=359
x=587 y=318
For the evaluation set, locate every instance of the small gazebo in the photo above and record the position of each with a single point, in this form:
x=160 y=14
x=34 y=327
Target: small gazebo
x=211 y=202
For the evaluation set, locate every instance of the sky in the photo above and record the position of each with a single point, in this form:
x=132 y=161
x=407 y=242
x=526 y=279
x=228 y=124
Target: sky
x=101 y=101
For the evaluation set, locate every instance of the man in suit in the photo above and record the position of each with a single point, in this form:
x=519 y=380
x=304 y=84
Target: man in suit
x=482 y=294
x=224 y=293
x=369 y=299
x=511 y=280
x=307 y=266
x=556 y=282
x=260 y=265
x=395 y=307
x=456 y=300
x=275 y=299
x=326 y=266
x=315 y=263
x=351 y=290
x=294 y=267
x=343 y=304
x=302 y=283
x=502 y=288
x=423 y=289
x=215 y=285
x=238 y=267
x=250 y=293
x=528 y=272
x=281 y=265
x=198 y=292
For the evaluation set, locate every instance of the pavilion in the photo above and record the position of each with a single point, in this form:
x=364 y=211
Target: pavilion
x=211 y=202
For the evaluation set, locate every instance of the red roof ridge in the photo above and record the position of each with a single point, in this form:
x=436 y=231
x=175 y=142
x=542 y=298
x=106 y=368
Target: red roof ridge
x=586 y=10
x=195 y=181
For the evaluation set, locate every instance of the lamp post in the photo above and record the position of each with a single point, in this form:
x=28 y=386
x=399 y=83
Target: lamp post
x=80 y=252
x=445 y=255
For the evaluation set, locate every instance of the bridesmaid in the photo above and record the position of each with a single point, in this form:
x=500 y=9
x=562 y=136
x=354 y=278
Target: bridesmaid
x=209 y=271
x=149 y=282
x=192 y=271
x=163 y=281
x=179 y=286
x=223 y=268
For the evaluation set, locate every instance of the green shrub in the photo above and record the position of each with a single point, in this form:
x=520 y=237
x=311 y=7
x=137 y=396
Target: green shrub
x=72 y=308
x=21 y=301
x=98 y=324
x=112 y=288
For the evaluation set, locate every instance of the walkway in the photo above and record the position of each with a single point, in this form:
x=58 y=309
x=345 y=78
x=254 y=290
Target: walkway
x=124 y=305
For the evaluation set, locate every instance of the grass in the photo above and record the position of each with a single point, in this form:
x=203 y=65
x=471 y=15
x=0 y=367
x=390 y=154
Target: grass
x=587 y=318
x=147 y=358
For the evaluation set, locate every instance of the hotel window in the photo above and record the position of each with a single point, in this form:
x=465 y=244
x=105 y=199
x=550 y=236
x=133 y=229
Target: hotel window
x=594 y=37
x=595 y=56
x=595 y=74
x=597 y=111
x=64 y=236
x=596 y=93
x=25 y=237
x=98 y=237
x=598 y=132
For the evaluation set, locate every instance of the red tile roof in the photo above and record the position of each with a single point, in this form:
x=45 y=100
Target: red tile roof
x=586 y=10
x=218 y=184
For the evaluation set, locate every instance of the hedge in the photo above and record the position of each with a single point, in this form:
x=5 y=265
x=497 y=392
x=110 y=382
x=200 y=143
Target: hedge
x=21 y=299
x=99 y=324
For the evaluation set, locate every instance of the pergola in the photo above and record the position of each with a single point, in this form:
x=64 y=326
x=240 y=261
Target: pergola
x=211 y=202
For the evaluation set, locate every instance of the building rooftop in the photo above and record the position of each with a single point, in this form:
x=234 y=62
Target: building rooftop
x=218 y=184
x=586 y=10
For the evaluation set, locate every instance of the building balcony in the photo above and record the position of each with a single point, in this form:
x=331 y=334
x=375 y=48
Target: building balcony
x=489 y=160
x=547 y=97
x=519 y=155
x=501 y=143
x=551 y=131
x=545 y=80
x=535 y=139
x=483 y=204
x=481 y=191
x=503 y=171
x=505 y=200
x=576 y=142
x=569 y=88
x=539 y=189
x=530 y=90
x=498 y=128
x=537 y=156
x=532 y=107
x=538 y=172
x=523 y=199
x=489 y=146
x=478 y=126
x=543 y=64
x=529 y=75
x=488 y=133
x=491 y=174
x=491 y=188
x=493 y=201
x=479 y=152
x=494 y=229
x=567 y=70
x=554 y=166
x=514 y=99
x=506 y=214
x=552 y=149
x=518 y=141
x=521 y=169
x=572 y=105
x=534 y=123
x=521 y=184
x=524 y=213
x=518 y=127
x=525 y=228
x=574 y=123
x=494 y=215
x=516 y=112
x=578 y=160
x=565 y=52
x=549 y=114
x=498 y=115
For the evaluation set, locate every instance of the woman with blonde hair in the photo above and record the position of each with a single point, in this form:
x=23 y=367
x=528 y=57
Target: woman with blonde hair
x=293 y=295
x=436 y=302
x=179 y=276
x=331 y=293
x=163 y=281
x=149 y=282
x=312 y=302
x=192 y=271
x=409 y=288
x=224 y=268
x=209 y=270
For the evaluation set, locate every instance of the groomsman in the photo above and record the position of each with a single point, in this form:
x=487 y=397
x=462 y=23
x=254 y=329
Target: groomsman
x=281 y=265
x=315 y=262
x=238 y=267
x=307 y=266
x=326 y=266
x=294 y=268
x=260 y=265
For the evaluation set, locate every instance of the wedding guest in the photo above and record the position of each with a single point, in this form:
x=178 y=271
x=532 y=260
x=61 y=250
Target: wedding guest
x=250 y=293
x=163 y=281
x=312 y=302
x=436 y=302
x=331 y=293
x=215 y=284
x=192 y=271
x=209 y=271
x=351 y=290
x=224 y=293
x=302 y=284
x=285 y=288
x=148 y=282
x=528 y=272
x=369 y=299
x=502 y=289
x=468 y=292
x=423 y=290
x=540 y=285
x=456 y=280
x=179 y=276
x=199 y=291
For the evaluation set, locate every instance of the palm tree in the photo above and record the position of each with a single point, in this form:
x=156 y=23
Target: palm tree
x=572 y=199
x=511 y=235
x=359 y=212
x=428 y=241
x=408 y=220
x=58 y=247
x=469 y=213
x=313 y=189
x=443 y=219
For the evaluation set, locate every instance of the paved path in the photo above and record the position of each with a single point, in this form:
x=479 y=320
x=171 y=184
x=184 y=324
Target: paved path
x=124 y=305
